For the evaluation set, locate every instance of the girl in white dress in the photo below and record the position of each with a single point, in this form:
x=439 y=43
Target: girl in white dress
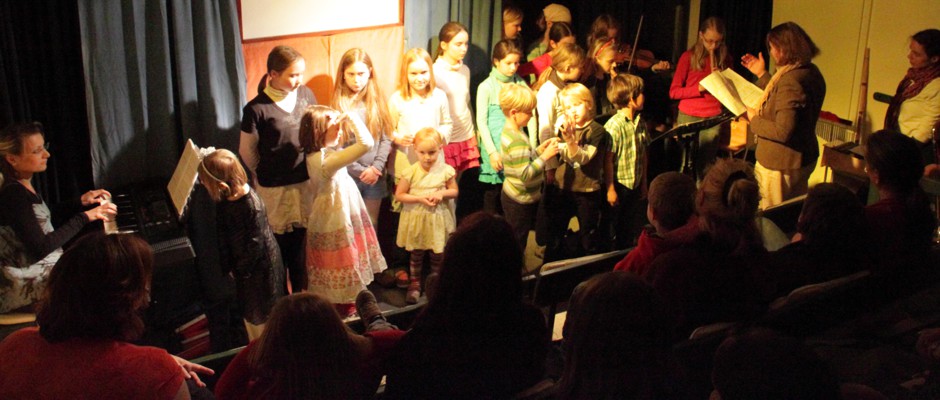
x=427 y=190
x=342 y=249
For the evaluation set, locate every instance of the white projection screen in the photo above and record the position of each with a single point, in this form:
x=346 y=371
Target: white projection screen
x=275 y=18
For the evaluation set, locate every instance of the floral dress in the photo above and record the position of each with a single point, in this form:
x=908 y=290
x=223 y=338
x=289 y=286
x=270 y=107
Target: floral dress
x=342 y=248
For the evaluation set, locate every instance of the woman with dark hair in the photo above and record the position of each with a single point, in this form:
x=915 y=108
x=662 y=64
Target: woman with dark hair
x=476 y=338
x=915 y=107
x=618 y=342
x=307 y=352
x=832 y=241
x=88 y=317
x=900 y=223
x=717 y=277
x=785 y=121
x=29 y=245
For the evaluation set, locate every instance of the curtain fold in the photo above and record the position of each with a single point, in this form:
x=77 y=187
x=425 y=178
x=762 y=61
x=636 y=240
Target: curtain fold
x=41 y=80
x=157 y=73
x=747 y=24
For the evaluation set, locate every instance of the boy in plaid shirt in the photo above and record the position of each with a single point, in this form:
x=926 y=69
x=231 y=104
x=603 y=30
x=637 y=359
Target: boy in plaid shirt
x=627 y=160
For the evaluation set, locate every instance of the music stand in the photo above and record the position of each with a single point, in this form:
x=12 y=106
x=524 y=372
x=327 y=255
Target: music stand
x=687 y=134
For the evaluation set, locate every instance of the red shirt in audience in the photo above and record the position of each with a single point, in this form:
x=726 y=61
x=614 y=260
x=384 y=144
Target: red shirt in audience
x=32 y=368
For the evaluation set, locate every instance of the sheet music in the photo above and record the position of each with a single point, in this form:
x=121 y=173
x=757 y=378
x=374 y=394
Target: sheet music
x=184 y=177
x=733 y=91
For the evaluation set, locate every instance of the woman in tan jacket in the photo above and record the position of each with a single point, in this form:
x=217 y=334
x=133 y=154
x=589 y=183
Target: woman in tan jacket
x=785 y=122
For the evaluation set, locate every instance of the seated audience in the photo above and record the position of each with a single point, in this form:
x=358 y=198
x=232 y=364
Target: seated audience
x=762 y=364
x=306 y=351
x=671 y=212
x=88 y=317
x=900 y=223
x=717 y=277
x=831 y=241
x=476 y=338
x=618 y=336
x=29 y=245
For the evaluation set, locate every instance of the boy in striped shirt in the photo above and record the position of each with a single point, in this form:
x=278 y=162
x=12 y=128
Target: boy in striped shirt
x=523 y=162
x=628 y=148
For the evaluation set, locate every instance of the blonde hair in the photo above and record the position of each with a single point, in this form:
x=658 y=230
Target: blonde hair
x=623 y=88
x=220 y=172
x=12 y=142
x=727 y=204
x=698 y=50
x=409 y=57
x=564 y=57
x=512 y=14
x=516 y=97
x=579 y=92
x=429 y=134
x=602 y=46
x=377 y=119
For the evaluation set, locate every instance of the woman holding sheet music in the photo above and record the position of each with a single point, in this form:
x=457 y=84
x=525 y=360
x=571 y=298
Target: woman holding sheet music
x=695 y=103
x=785 y=121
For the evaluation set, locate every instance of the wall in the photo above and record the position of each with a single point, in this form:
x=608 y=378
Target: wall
x=843 y=28
x=322 y=54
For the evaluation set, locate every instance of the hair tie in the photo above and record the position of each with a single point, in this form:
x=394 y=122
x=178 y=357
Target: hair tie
x=603 y=46
x=202 y=167
x=726 y=190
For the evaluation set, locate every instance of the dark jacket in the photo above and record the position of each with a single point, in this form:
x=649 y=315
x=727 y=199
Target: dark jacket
x=786 y=129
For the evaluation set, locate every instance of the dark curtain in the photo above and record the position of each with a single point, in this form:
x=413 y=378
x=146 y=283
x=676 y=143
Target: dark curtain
x=159 y=72
x=41 y=80
x=747 y=25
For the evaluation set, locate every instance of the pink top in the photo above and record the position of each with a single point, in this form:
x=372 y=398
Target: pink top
x=685 y=88
x=535 y=67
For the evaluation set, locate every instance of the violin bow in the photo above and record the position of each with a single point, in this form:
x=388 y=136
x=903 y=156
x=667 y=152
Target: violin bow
x=636 y=41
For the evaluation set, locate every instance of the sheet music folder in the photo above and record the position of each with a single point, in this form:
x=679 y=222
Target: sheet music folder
x=184 y=178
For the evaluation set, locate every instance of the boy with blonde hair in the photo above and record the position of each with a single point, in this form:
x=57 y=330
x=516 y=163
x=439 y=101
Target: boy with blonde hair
x=579 y=182
x=523 y=162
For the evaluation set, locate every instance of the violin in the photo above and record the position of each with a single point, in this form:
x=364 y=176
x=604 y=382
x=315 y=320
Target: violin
x=639 y=58
x=627 y=60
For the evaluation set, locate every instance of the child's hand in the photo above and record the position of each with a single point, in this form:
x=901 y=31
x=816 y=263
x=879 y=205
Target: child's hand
x=428 y=201
x=436 y=197
x=403 y=141
x=370 y=176
x=612 y=196
x=661 y=66
x=548 y=149
x=496 y=162
x=567 y=129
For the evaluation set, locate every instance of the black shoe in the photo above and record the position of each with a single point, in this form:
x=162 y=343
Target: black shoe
x=368 y=307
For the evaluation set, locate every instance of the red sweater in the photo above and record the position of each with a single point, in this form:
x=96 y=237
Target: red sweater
x=535 y=67
x=32 y=368
x=685 y=88
x=650 y=245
